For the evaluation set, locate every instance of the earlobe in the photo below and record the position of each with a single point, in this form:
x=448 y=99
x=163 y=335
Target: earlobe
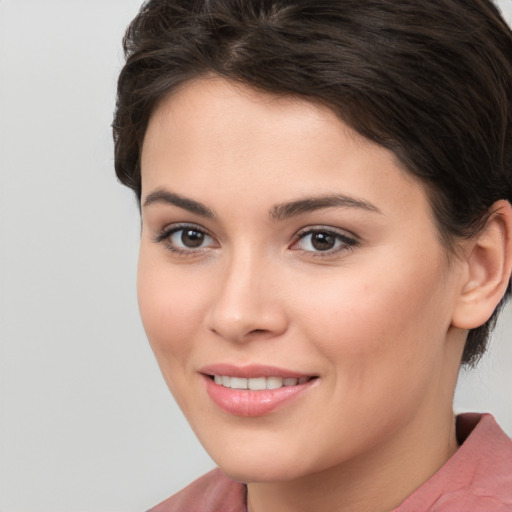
x=489 y=267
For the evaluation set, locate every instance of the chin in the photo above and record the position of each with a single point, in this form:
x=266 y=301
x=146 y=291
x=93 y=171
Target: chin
x=251 y=473
x=249 y=465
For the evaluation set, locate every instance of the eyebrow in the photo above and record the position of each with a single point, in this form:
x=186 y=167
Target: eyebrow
x=310 y=204
x=278 y=212
x=166 y=197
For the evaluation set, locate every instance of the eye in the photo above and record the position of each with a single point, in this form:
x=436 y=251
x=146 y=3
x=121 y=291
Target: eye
x=323 y=240
x=185 y=239
x=188 y=238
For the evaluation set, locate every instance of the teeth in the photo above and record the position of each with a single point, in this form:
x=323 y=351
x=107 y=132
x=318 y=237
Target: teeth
x=274 y=382
x=238 y=383
x=257 y=383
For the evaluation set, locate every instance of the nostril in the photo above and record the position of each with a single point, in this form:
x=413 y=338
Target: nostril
x=257 y=331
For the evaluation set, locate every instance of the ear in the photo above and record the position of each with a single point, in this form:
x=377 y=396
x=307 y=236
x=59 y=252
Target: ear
x=489 y=266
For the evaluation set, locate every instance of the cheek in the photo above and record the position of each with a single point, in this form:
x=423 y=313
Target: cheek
x=382 y=340
x=171 y=305
x=381 y=326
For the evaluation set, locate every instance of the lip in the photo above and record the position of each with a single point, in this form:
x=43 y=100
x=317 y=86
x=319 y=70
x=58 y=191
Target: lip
x=248 y=403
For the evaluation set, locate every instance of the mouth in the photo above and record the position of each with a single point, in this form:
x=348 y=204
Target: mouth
x=255 y=390
x=258 y=383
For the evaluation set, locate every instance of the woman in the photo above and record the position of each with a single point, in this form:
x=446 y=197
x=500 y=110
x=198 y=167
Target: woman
x=325 y=190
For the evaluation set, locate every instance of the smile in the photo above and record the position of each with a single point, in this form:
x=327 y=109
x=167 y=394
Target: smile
x=258 y=383
x=254 y=390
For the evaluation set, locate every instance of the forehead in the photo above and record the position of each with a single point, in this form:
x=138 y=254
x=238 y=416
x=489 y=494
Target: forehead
x=216 y=136
x=245 y=116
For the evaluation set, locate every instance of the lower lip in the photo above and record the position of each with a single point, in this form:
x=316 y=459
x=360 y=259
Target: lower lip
x=243 y=402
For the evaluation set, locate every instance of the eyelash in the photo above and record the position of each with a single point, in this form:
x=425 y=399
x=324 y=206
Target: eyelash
x=168 y=232
x=343 y=241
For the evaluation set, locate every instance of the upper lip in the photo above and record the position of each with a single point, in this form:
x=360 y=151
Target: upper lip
x=250 y=371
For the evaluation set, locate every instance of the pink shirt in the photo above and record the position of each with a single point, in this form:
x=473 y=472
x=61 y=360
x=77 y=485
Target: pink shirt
x=477 y=478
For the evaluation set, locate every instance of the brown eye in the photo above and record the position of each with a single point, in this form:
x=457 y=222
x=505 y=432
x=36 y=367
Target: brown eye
x=192 y=238
x=323 y=241
x=186 y=239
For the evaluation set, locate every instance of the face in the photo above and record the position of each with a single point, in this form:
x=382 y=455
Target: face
x=291 y=282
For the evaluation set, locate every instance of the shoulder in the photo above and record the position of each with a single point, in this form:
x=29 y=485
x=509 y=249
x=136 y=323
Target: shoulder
x=478 y=477
x=213 y=492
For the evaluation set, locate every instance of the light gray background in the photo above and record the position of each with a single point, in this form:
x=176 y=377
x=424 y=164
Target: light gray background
x=86 y=422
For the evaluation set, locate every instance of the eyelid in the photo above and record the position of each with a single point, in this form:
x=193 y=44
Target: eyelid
x=169 y=229
x=343 y=233
x=166 y=233
x=348 y=240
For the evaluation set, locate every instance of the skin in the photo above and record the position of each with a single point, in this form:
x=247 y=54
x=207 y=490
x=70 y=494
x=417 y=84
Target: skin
x=372 y=318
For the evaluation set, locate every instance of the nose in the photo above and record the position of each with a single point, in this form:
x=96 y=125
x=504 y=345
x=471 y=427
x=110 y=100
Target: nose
x=248 y=303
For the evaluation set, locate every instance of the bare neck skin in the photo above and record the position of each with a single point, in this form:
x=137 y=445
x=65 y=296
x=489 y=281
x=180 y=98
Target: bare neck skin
x=382 y=479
